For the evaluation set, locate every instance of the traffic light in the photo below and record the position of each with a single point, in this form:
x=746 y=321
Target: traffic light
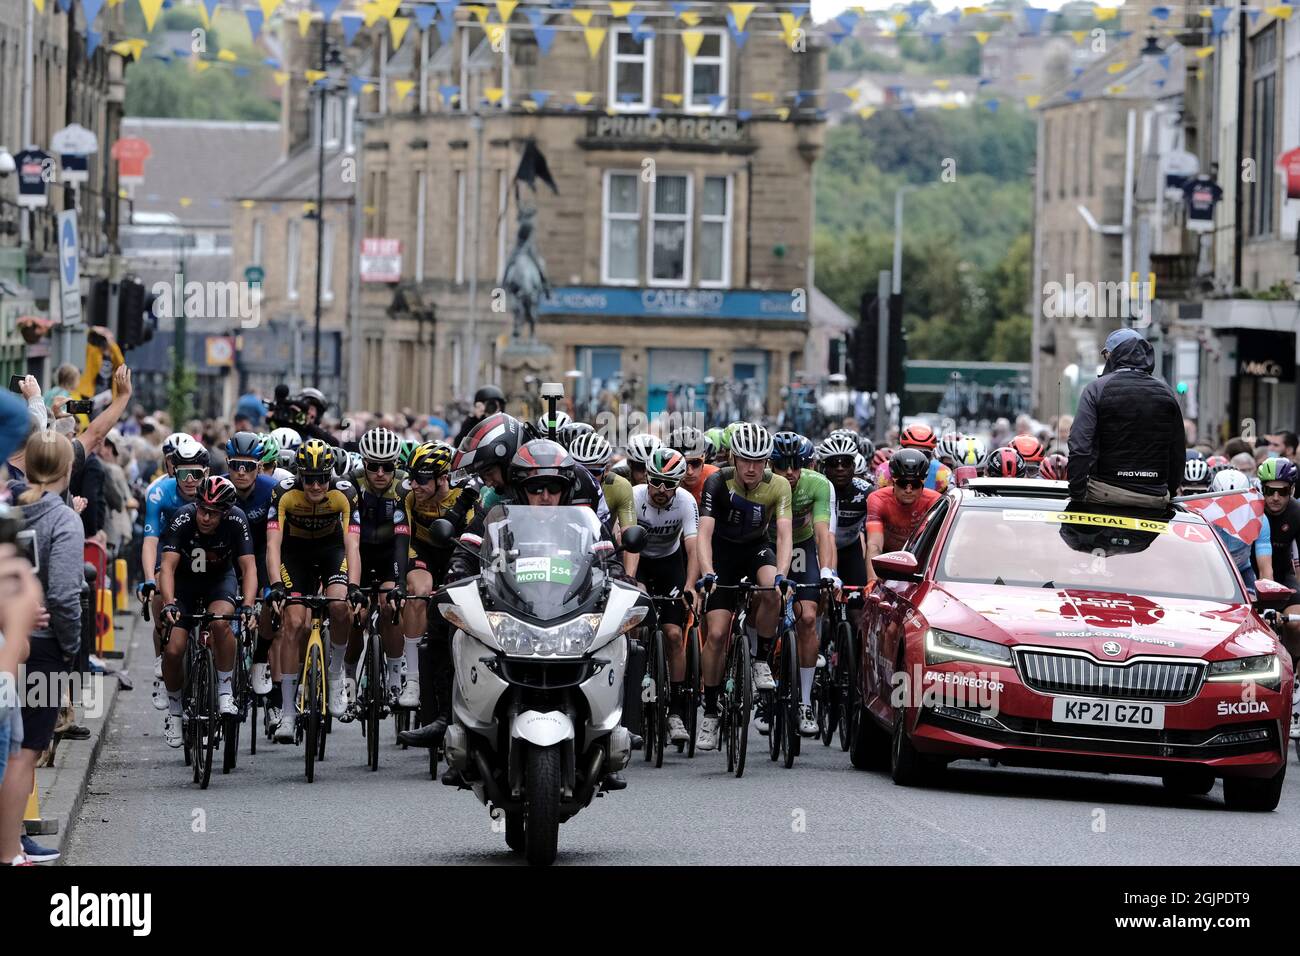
x=862 y=346
x=99 y=303
x=134 y=314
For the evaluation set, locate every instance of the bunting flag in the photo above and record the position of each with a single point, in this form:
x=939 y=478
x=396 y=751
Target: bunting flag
x=424 y=16
x=539 y=98
x=692 y=40
x=447 y=29
x=1203 y=51
x=447 y=9
x=1105 y=13
x=943 y=84
x=1113 y=68
x=227 y=56
x=992 y=105
x=690 y=18
x=92 y=42
x=851 y=93
x=397 y=27
x=313 y=76
x=493 y=94
x=583 y=17
x=149 y=8
x=764 y=97
x=545 y=37
x=621 y=8
x=370 y=14
x=740 y=15
x=403 y=88
x=1160 y=13
x=505 y=9
x=582 y=97
x=1033 y=100
x=789 y=24
x=132 y=48
x=210 y=6
x=1218 y=17
x=39 y=5
x=351 y=24
x=268 y=7
x=1034 y=19
x=1079 y=35
x=867 y=112
x=388 y=8
x=254 y=18
x=496 y=33
x=982 y=36
x=201 y=66
x=304 y=22
x=448 y=93
x=91 y=8
x=784 y=113
x=280 y=77
x=595 y=37
x=674 y=98
x=1281 y=12
x=327 y=8
x=479 y=11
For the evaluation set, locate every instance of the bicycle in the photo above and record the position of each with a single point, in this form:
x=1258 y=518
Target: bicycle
x=736 y=696
x=781 y=706
x=371 y=704
x=241 y=689
x=202 y=723
x=835 y=689
x=1278 y=621
x=312 y=722
x=655 y=713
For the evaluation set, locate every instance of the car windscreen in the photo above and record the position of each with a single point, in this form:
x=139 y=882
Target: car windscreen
x=1021 y=547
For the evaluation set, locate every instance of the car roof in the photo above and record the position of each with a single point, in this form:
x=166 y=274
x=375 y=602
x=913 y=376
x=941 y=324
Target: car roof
x=1037 y=493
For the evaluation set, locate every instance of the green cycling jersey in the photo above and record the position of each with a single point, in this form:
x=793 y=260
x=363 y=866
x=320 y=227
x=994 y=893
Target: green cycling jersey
x=810 y=502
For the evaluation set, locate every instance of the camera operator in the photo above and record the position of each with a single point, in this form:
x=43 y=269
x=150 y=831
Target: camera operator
x=302 y=413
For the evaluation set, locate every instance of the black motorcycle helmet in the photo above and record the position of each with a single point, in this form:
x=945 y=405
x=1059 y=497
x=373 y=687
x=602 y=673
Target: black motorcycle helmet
x=493 y=441
x=493 y=399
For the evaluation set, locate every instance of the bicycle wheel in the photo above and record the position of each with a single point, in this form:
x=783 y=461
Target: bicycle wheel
x=740 y=702
x=252 y=723
x=847 y=652
x=826 y=696
x=371 y=687
x=230 y=722
x=208 y=720
x=649 y=702
x=312 y=699
x=692 y=687
x=663 y=698
x=791 y=698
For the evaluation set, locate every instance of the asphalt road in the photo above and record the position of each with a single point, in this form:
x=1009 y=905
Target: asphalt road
x=142 y=809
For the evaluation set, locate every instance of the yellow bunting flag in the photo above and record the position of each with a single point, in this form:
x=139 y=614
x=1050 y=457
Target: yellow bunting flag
x=692 y=39
x=621 y=8
x=971 y=11
x=505 y=8
x=493 y=94
x=851 y=93
x=185 y=201
x=113 y=3
x=201 y=66
x=583 y=17
x=582 y=97
x=529 y=106
x=610 y=111
x=397 y=26
x=308 y=208
x=268 y=7
x=496 y=34
x=281 y=77
x=131 y=48
x=789 y=24
x=948 y=105
x=403 y=88
x=690 y=18
x=1207 y=12
x=313 y=75
x=388 y=8
x=1115 y=89
x=1281 y=12
x=595 y=39
x=150 y=9
x=982 y=36
x=1033 y=100
x=1203 y=51
x=867 y=112
x=1105 y=13
x=39 y=5
x=202 y=11
x=764 y=97
x=247 y=203
x=304 y=22
x=943 y=84
x=674 y=98
x=1113 y=68
x=783 y=112
x=1200 y=72
x=1079 y=35
x=899 y=19
x=1024 y=77
x=227 y=56
x=368 y=88
x=370 y=13
x=740 y=13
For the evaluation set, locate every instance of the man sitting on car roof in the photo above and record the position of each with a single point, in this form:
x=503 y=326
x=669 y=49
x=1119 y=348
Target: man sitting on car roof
x=1127 y=441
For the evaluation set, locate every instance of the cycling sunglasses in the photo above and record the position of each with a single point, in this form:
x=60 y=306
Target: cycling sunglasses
x=1282 y=490
x=212 y=513
x=381 y=467
x=424 y=479
x=315 y=478
x=913 y=484
x=694 y=462
x=839 y=461
x=786 y=464
x=190 y=474
x=243 y=465
x=661 y=483
x=552 y=486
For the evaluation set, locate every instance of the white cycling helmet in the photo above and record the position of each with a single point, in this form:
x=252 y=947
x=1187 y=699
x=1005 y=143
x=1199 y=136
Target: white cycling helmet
x=837 y=446
x=380 y=444
x=561 y=419
x=690 y=441
x=188 y=451
x=641 y=447
x=974 y=451
x=1196 y=472
x=751 y=442
x=288 y=438
x=950 y=446
x=169 y=443
x=591 y=450
x=861 y=467
x=1230 y=479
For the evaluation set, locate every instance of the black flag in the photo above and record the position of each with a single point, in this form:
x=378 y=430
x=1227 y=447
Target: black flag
x=533 y=167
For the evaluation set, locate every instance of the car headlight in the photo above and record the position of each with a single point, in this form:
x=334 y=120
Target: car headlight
x=941 y=647
x=1265 y=669
x=519 y=638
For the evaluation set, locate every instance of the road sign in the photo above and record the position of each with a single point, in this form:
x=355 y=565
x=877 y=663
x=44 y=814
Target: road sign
x=69 y=278
x=254 y=274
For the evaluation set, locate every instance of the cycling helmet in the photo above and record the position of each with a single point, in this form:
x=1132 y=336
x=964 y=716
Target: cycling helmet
x=1030 y=448
x=974 y=452
x=751 y=442
x=493 y=441
x=288 y=460
x=538 y=459
x=1195 y=453
x=790 y=446
x=866 y=447
x=169 y=443
x=244 y=445
x=949 y=448
x=270 y=450
x=490 y=393
x=1195 y=472
x=404 y=454
x=881 y=456
x=216 y=492
x=726 y=435
x=571 y=430
x=1054 y=468
x=380 y=444
x=314 y=457
x=1230 y=479
x=312 y=396
x=909 y=464
x=690 y=441
x=189 y=452
x=641 y=447
x=837 y=445
x=861 y=467
x=561 y=419
x=1217 y=460
x=342 y=466
x=591 y=451
x=666 y=465
x=288 y=438
x=919 y=436
x=1005 y=462
x=431 y=460
x=1277 y=469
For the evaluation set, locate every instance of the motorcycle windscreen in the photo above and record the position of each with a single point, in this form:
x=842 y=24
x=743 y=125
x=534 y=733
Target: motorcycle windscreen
x=539 y=562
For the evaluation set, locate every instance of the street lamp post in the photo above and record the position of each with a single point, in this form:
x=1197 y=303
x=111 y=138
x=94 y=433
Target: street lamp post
x=330 y=60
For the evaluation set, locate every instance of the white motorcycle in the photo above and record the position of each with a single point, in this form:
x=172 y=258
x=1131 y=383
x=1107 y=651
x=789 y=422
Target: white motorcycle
x=539 y=654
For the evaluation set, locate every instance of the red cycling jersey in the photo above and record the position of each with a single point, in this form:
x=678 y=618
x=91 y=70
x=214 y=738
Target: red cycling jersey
x=697 y=489
x=896 y=521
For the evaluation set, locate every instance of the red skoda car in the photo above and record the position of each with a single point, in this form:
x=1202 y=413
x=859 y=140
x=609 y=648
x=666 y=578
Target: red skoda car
x=1018 y=627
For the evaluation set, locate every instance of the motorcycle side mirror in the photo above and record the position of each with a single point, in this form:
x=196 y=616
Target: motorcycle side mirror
x=633 y=539
x=442 y=532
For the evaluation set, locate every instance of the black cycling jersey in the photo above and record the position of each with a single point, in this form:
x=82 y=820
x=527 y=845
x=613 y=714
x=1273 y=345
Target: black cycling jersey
x=850 y=511
x=1284 y=531
x=377 y=510
x=207 y=556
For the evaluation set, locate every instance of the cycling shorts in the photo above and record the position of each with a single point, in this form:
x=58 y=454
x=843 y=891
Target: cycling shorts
x=425 y=557
x=195 y=594
x=376 y=564
x=805 y=570
x=661 y=576
x=731 y=562
x=852 y=565
x=307 y=571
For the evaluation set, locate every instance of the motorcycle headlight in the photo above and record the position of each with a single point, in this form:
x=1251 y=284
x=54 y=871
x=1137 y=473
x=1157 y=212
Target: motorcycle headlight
x=519 y=638
x=1265 y=669
x=942 y=647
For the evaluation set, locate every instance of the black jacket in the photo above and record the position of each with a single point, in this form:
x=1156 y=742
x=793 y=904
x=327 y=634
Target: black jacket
x=1128 y=431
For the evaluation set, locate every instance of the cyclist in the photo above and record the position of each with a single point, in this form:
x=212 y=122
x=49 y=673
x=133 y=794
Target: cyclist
x=812 y=538
x=1031 y=450
x=1261 y=551
x=383 y=521
x=717 y=453
x=893 y=513
x=253 y=489
x=1196 y=477
x=837 y=455
x=694 y=447
x=923 y=438
x=948 y=450
x=1004 y=462
x=427 y=496
x=862 y=469
x=738 y=506
x=204 y=542
x=593 y=452
x=639 y=449
x=1278 y=476
x=1054 y=468
x=667 y=564
x=559 y=421
x=313 y=531
x=271 y=460
x=188 y=463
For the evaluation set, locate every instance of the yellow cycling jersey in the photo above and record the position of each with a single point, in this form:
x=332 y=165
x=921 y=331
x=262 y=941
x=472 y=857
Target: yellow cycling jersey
x=295 y=515
x=422 y=516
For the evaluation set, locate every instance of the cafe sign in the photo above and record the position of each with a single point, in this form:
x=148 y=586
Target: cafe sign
x=1261 y=368
x=718 y=132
